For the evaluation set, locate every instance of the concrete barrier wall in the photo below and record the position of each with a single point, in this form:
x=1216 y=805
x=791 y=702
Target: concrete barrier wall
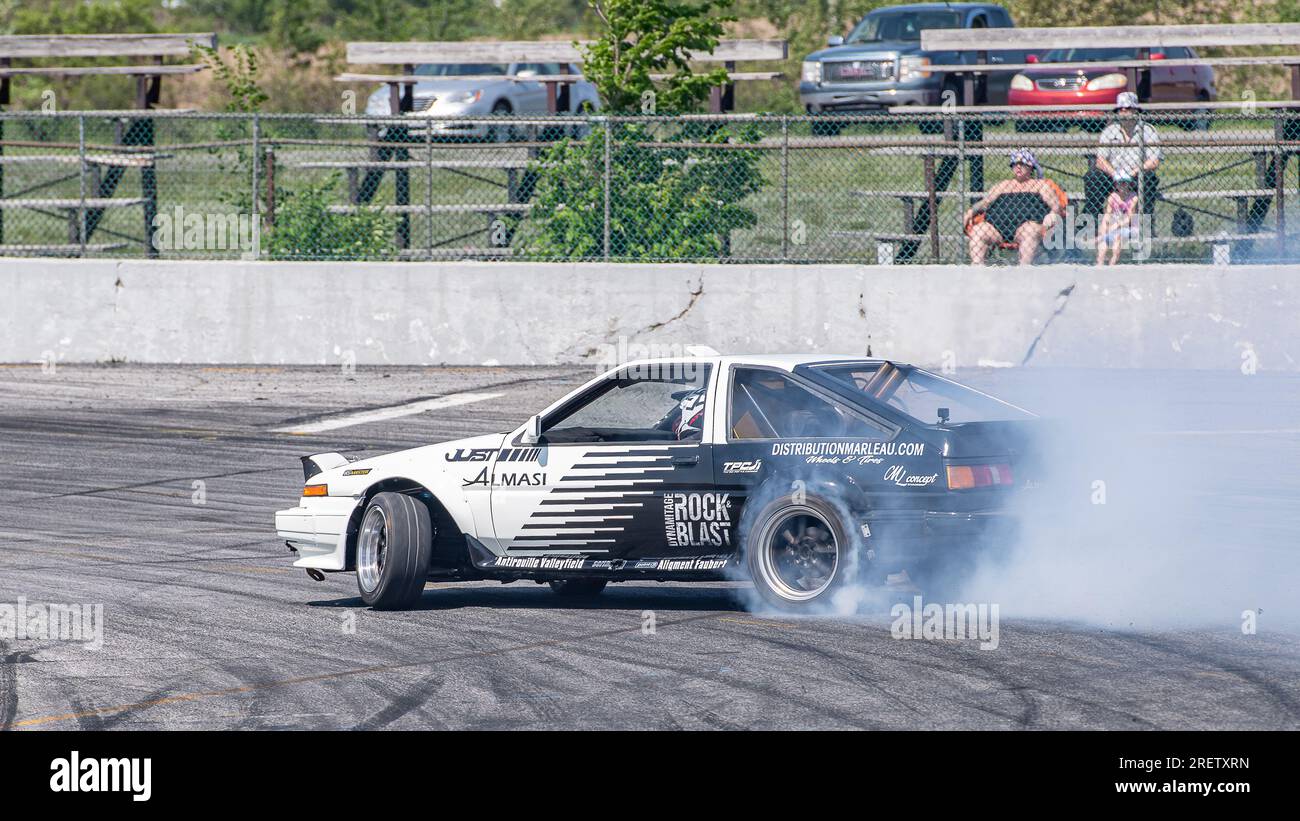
x=1152 y=316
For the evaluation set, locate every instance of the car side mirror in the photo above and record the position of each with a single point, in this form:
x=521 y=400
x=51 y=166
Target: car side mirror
x=835 y=41
x=1031 y=58
x=532 y=431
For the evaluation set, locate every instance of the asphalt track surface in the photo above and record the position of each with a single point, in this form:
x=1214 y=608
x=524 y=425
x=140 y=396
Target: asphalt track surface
x=207 y=626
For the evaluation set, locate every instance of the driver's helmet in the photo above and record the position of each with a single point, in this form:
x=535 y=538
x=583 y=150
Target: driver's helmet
x=690 y=417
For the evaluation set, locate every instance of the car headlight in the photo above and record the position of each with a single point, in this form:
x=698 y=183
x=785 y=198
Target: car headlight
x=812 y=72
x=912 y=68
x=462 y=97
x=1106 y=81
x=1022 y=83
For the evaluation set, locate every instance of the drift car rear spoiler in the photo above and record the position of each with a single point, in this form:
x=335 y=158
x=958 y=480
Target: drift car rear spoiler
x=311 y=465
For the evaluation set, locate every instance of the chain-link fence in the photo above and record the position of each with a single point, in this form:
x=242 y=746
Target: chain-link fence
x=1190 y=186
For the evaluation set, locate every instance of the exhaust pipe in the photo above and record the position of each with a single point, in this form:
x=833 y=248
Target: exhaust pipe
x=315 y=574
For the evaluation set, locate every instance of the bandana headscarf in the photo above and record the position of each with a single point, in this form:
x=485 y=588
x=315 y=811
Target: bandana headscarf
x=1026 y=157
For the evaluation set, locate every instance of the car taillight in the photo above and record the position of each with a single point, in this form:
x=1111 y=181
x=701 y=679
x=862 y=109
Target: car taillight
x=994 y=474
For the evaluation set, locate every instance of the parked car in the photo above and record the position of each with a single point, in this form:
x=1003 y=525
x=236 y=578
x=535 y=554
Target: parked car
x=1102 y=84
x=469 y=90
x=881 y=64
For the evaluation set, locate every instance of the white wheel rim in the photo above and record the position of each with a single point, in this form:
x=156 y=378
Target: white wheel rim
x=796 y=563
x=372 y=549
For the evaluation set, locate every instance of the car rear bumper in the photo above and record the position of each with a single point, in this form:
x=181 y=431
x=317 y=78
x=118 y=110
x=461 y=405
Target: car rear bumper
x=317 y=530
x=903 y=537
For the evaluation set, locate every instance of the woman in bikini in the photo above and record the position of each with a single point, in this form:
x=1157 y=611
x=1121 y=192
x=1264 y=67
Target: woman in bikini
x=1018 y=210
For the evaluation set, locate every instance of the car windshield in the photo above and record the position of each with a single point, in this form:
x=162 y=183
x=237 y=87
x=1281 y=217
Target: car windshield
x=920 y=394
x=461 y=69
x=902 y=25
x=1088 y=55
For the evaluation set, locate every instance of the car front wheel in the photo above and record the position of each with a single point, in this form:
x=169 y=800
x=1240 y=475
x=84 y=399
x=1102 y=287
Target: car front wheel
x=394 y=546
x=798 y=554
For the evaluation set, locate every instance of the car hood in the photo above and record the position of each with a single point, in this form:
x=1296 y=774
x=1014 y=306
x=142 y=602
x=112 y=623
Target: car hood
x=865 y=50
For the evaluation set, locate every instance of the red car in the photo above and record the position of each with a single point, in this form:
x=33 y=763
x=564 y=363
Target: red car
x=1160 y=84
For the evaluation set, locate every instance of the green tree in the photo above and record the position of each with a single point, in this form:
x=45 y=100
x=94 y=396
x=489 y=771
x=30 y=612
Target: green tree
x=640 y=38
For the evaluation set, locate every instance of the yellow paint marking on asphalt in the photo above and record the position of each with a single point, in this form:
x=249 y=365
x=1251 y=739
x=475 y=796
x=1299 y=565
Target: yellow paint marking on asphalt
x=74 y=554
x=248 y=568
x=359 y=671
x=762 y=623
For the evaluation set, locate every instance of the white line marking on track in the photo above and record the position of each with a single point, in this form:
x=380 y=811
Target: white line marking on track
x=382 y=414
x=1243 y=432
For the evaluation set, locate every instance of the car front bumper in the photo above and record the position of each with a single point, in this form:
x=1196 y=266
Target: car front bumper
x=317 y=530
x=820 y=98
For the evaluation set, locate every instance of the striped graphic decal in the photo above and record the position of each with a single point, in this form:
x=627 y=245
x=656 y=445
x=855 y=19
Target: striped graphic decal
x=603 y=496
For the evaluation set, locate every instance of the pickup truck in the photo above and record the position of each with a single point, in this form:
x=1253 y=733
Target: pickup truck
x=880 y=64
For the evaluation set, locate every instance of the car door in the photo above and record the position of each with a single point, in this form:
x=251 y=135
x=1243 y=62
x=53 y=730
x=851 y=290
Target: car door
x=1169 y=83
x=780 y=431
x=622 y=471
x=530 y=94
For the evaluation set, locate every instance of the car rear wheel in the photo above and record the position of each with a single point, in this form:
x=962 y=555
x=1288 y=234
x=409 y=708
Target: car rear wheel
x=394 y=546
x=798 y=554
x=578 y=588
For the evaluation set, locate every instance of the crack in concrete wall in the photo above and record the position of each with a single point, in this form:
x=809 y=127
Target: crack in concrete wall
x=695 y=297
x=1062 y=299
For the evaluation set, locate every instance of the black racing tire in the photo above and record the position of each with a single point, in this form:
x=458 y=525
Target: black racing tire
x=578 y=588
x=502 y=133
x=394 y=547
x=805 y=575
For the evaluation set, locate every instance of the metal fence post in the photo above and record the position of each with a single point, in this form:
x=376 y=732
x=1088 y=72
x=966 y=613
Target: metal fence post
x=81 y=209
x=963 y=183
x=1279 y=180
x=785 y=187
x=428 y=189
x=1141 y=186
x=608 y=138
x=257 y=217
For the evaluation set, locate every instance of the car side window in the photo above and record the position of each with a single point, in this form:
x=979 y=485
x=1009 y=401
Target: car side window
x=636 y=409
x=769 y=405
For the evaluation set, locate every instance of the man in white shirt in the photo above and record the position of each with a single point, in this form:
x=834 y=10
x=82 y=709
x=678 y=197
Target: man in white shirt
x=1128 y=147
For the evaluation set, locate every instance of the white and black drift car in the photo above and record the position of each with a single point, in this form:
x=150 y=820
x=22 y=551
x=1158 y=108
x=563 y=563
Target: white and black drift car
x=798 y=472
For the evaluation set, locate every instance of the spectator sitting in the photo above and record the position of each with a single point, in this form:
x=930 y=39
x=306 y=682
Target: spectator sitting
x=1128 y=147
x=1019 y=210
x=1119 y=222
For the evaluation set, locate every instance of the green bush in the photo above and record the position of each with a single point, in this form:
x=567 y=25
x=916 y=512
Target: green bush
x=305 y=228
x=668 y=202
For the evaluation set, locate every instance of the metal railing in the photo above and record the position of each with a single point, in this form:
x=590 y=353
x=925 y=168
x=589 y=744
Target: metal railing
x=851 y=189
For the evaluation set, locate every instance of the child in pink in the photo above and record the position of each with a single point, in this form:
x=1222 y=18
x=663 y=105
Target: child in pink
x=1117 y=224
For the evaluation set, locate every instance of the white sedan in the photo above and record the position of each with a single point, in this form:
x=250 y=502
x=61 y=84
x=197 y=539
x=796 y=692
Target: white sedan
x=472 y=90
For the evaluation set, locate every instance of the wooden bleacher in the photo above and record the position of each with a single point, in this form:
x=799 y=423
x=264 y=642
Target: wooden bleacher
x=136 y=136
